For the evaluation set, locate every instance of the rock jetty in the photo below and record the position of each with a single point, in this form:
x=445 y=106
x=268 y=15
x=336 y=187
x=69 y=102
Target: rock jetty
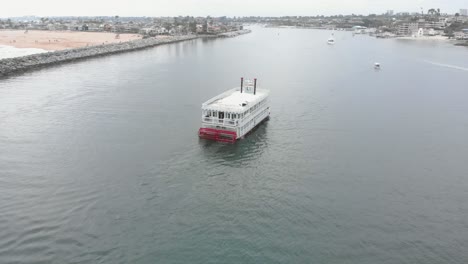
x=234 y=33
x=19 y=64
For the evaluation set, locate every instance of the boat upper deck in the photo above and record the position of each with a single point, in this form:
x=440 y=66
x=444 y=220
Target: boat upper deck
x=234 y=101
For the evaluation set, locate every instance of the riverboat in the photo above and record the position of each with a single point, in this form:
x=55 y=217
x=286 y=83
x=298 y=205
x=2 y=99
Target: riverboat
x=231 y=115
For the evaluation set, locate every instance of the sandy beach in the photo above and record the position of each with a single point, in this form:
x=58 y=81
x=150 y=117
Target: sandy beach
x=59 y=40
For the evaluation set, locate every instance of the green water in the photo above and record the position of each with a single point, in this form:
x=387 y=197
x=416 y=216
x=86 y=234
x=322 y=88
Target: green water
x=100 y=160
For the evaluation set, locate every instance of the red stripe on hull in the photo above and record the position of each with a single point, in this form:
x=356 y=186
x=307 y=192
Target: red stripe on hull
x=217 y=135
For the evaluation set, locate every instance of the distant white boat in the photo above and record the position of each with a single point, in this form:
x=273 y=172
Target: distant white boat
x=377 y=66
x=331 y=40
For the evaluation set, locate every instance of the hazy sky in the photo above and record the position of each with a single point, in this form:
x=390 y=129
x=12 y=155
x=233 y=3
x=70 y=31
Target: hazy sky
x=10 y=8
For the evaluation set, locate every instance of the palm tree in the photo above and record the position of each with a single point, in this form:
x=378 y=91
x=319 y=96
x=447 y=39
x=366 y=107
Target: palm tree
x=456 y=16
x=431 y=11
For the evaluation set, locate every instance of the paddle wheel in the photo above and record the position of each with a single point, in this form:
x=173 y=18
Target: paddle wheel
x=217 y=135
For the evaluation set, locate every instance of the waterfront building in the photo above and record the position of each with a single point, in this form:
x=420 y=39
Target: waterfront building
x=434 y=24
x=407 y=29
x=420 y=32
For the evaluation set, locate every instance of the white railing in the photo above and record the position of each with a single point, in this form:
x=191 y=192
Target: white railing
x=217 y=121
x=231 y=122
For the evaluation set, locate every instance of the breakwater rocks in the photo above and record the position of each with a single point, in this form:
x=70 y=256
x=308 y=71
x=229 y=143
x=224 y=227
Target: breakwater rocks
x=19 y=64
x=234 y=33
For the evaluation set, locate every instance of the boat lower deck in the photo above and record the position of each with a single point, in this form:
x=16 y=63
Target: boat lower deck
x=227 y=136
x=217 y=135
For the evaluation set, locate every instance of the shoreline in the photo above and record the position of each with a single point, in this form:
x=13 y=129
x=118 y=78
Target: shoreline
x=21 y=64
x=14 y=65
x=7 y=51
x=425 y=38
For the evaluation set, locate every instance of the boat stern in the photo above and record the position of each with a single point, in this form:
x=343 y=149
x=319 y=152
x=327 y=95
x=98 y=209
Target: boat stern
x=217 y=135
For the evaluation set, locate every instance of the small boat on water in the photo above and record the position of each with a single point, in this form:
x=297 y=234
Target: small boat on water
x=377 y=66
x=231 y=115
x=331 y=40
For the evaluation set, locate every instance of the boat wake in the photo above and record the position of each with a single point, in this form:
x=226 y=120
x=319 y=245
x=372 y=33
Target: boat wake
x=447 y=66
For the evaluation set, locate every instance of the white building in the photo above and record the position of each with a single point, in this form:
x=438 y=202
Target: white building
x=408 y=29
x=463 y=12
x=435 y=24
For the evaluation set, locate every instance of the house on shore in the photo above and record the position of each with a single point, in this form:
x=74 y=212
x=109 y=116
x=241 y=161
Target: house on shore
x=408 y=29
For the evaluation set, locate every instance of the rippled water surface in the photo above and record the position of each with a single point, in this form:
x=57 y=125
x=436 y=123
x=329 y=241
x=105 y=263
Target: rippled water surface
x=100 y=161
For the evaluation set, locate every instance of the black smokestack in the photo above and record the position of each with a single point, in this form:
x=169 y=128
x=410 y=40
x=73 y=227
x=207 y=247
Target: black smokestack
x=242 y=83
x=255 y=85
